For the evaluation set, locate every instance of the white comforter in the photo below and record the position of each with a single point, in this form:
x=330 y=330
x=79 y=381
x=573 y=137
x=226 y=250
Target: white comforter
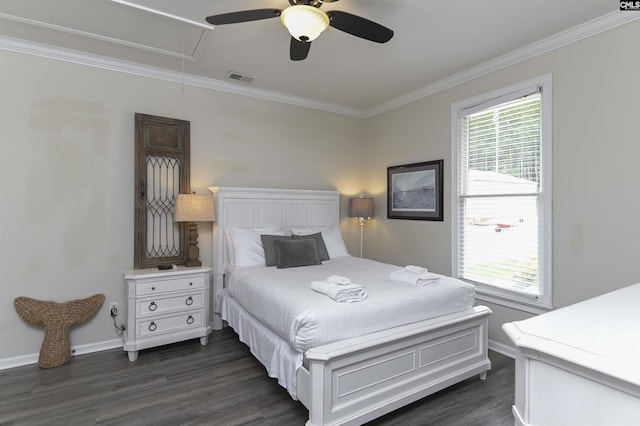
x=283 y=300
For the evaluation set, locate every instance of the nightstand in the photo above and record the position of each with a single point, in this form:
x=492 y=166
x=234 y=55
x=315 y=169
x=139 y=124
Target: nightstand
x=166 y=307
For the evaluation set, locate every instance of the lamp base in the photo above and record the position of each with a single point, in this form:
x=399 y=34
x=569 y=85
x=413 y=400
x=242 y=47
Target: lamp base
x=193 y=263
x=193 y=251
x=362 y=222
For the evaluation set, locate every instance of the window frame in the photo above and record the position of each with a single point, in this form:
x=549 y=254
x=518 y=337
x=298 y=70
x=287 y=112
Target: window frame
x=487 y=292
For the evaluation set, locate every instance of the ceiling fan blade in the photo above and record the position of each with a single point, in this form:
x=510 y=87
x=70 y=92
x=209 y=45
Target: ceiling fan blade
x=299 y=50
x=316 y=3
x=359 y=27
x=243 y=16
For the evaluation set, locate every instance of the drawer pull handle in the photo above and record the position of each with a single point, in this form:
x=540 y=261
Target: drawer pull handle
x=153 y=288
x=153 y=306
x=153 y=326
x=190 y=319
x=190 y=283
x=189 y=301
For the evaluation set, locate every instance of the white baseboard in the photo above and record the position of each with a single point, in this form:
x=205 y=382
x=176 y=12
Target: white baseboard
x=21 y=360
x=502 y=348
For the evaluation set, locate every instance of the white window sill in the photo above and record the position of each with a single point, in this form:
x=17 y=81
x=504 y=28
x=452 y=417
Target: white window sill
x=509 y=301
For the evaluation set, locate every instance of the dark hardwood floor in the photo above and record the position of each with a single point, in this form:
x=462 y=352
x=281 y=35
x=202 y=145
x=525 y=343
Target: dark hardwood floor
x=217 y=384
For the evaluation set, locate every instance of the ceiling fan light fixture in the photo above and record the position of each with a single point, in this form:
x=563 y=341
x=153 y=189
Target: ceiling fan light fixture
x=305 y=23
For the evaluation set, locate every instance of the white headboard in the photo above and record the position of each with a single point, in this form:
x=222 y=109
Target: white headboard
x=266 y=208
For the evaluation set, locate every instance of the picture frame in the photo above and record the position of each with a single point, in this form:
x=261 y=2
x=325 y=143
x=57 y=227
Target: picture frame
x=415 y=191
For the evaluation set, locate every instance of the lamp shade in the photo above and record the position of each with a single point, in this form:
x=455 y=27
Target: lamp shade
x=361 y=207
x=194 y=208
x=305 y=23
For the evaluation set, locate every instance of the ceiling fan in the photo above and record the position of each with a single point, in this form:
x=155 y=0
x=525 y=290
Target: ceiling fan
x=305 y=21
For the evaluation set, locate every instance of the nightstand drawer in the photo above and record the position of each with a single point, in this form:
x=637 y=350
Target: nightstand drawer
x=169 y=324
x=175 y=284
x=162 y=305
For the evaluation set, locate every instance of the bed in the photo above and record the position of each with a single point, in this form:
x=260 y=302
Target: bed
x=355 y=373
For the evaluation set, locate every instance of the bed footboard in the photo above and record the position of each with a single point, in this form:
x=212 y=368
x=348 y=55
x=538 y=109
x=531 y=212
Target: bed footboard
x=357 y=380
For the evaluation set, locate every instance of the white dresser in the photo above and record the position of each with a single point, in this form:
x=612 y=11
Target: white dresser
x=166 y=307
x=580 y=365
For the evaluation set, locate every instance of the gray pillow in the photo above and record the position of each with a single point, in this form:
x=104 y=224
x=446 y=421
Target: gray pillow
x=292 y=253
x=270 y=257
x=323 y=253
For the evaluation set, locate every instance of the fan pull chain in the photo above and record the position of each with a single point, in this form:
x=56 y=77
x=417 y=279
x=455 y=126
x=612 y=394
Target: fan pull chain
x=182 y=85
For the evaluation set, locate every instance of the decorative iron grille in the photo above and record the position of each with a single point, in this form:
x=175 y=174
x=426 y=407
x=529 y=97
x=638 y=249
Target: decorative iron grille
x=163 y=184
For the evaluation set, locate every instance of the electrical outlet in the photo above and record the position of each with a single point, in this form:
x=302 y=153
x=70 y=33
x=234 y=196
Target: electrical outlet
x=113 y=309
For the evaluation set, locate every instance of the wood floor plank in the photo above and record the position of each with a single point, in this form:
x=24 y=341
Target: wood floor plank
x=217 y=384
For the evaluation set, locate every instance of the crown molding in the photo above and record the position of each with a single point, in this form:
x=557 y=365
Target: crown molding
x=97 y=61
x=205 y=35
x=588 y=29
x=572 y=35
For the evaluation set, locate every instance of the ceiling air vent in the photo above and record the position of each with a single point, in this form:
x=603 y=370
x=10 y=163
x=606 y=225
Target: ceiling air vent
x=240 y=77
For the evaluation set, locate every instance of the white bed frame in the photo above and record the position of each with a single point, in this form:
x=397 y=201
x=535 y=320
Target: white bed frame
x=356 y=380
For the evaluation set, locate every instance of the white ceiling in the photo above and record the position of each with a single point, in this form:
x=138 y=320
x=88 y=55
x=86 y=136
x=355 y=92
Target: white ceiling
x=434 y=41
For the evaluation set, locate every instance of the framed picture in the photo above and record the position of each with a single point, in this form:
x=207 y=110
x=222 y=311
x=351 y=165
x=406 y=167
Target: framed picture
x=414 y=191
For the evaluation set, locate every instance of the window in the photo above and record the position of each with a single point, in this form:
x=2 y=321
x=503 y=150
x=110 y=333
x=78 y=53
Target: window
x=502 y=194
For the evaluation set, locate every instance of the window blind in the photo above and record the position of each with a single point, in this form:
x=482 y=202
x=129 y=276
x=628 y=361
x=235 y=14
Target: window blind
x=499 y=189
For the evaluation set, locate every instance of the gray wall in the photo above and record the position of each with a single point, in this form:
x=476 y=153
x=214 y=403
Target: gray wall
x=595 y=168
x=67 y=173
x=67 y=176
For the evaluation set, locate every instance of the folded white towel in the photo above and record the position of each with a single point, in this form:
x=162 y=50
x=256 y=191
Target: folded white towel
x=414 y=279
x=341 y=293
x=338 y=279
x=415 y=269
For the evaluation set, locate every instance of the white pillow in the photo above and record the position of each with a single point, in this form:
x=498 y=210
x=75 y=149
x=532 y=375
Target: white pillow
x=303 y=231
x=247 y=245
x=333 y=240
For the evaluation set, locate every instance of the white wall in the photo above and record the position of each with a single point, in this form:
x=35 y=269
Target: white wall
x=67 y=172
x=67 y=157
x=596 y=146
